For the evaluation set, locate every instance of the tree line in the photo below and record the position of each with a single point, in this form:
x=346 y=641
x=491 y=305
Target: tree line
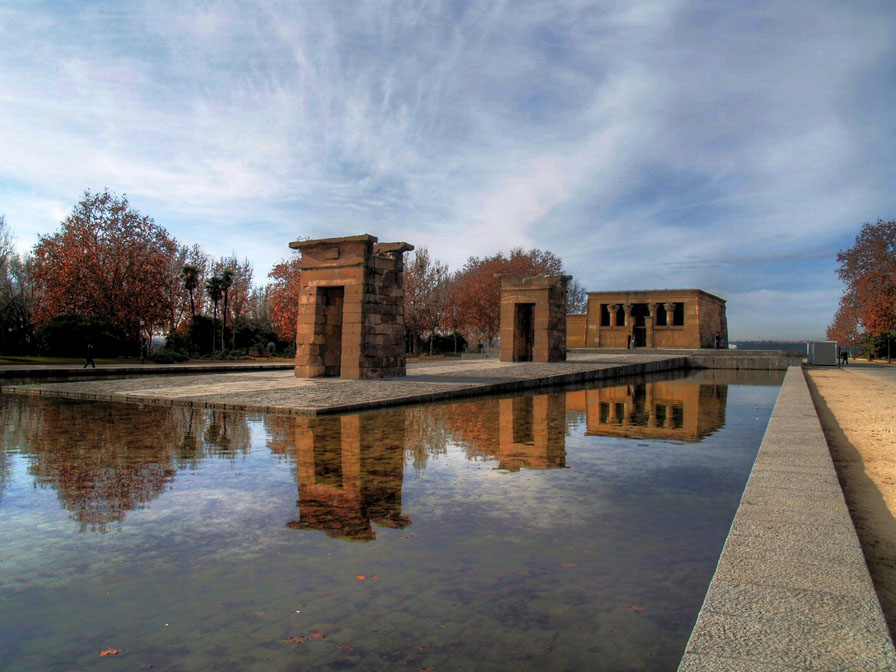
x=866 y=316
x=443 y=311
x=114 y=277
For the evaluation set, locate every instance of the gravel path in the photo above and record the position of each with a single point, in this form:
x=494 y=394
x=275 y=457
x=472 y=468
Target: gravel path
x=856 y=408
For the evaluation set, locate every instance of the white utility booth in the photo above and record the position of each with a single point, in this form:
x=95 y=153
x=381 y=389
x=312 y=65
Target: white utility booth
x=823 y=353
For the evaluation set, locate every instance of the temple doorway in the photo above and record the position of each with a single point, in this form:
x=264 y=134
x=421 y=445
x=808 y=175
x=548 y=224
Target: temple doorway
x=524 y=326
x=330 y=303
x=640 y=313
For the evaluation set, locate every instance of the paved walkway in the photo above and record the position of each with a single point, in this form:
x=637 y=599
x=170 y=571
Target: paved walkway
x=131 y=369
x=791 y=591
x=281 y=392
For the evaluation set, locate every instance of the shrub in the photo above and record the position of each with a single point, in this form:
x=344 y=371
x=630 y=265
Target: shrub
x=68 y=336
x=167 y=356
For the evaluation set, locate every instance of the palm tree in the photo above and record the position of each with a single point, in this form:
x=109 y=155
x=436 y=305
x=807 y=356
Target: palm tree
x=214 y=288
x=190 y=274
x=226 y=284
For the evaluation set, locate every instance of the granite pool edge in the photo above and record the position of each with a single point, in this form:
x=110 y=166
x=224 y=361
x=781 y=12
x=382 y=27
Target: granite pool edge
x=791 y=589
x=462 y=391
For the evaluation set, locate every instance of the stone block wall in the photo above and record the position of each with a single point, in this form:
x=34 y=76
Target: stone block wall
x=351 y=308
x=533 y=317
x=669 y=319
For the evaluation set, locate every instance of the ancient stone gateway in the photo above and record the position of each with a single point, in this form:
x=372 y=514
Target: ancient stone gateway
x=351 y=308
x=533 y=318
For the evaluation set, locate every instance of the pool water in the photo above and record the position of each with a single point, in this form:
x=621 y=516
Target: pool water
x=571 y=530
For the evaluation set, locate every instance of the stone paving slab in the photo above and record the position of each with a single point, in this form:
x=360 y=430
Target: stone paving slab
x=791 y=590
x=282 y=392
x=131 y=369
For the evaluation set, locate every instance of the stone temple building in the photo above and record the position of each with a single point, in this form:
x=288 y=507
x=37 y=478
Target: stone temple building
x=668 y=318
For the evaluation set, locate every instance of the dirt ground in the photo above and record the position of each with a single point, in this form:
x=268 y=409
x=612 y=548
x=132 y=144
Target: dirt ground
x=857 y=408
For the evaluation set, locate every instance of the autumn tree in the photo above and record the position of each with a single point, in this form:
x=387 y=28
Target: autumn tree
x=453 y=315
x=480 y=293
x=576 y=298
x=17 y=294
x=107 y=261
x=425 y=295
x=236 y=277
x=284 y=297
x=868 y=269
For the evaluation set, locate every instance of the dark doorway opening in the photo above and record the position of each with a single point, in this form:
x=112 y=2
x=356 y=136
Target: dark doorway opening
x=330 y=303
x=524 y=331
x=640 y=313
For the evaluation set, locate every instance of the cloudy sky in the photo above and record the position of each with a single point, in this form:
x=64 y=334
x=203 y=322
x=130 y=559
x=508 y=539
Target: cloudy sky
x=732 y=147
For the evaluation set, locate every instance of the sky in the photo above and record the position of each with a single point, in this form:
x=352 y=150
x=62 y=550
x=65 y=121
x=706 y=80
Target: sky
x=733 y=147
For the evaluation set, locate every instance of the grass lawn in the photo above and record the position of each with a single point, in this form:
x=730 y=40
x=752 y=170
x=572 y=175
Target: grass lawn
x=37 y=360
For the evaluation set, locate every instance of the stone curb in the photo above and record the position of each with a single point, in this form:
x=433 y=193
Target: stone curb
x=51 y=371
x=469 y=389
x=791 y=590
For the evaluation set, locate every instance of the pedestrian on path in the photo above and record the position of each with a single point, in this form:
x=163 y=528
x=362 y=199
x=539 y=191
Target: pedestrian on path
x=89 y=356
x=844 y=356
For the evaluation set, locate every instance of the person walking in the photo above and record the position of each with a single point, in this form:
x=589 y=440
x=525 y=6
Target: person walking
x=89 y=356
x=844 y=356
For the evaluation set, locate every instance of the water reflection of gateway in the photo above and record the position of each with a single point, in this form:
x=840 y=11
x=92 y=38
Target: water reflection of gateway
x=679 y=410
x=520 y=433
x=350 y=474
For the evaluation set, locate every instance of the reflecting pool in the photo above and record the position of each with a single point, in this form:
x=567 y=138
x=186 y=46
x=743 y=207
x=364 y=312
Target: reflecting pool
x=572 y=530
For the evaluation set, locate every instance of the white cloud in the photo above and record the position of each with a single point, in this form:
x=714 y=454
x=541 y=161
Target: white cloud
x=644 y=143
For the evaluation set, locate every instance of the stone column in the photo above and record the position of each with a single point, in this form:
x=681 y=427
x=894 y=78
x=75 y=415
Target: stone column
x=649 y=321
x=612 y=308
x=670 y=313
x=629 y=323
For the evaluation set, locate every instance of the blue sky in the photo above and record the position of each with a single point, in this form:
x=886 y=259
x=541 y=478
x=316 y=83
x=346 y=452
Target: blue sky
x=732 y=147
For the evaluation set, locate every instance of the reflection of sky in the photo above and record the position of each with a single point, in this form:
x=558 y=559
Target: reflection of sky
x=600 y=471
x=514 y=565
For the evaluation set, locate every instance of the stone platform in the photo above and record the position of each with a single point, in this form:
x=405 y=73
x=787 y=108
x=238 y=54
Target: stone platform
x=279 y=391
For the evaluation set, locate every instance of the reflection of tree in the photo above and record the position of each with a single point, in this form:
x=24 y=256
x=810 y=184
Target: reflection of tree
x=4 y=469
x=425 y=434
x=526 y=431
x=107 y=459
x=13 y=427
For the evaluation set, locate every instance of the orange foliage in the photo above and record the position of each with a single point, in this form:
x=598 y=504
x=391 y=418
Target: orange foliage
x=478 y=291
x=284 y=298
x=107 y=261
x=869 y=270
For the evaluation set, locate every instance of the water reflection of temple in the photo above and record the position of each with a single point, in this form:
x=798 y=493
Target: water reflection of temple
x=527 y=432
x=350 y=471
x=681 y=410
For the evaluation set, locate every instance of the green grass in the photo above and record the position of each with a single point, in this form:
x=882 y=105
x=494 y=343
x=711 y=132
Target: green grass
x=35 y=359
x=38 y=360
